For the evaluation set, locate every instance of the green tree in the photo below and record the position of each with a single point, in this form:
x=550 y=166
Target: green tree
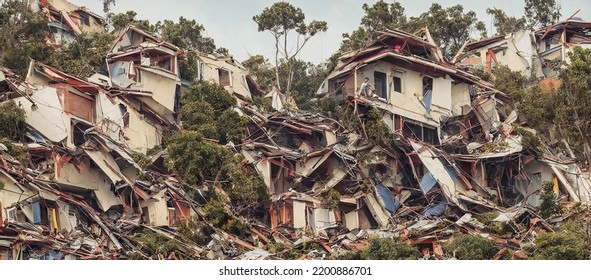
x=122 y=20
x=195 y=158
x=12 y=120
x=549 y=205
x=569 y=242
x=377 y=17
x=573 y=113
x=186 y=34
x=505 y=24
x=259 y=68
x=214 y=94
x=85 y=55
x=280 y=19
x=471 y=247
x=23 y=36
x=540 y=13
x=450 y=27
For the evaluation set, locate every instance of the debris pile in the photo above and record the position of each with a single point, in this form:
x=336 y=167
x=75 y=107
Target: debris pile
x=427 y=154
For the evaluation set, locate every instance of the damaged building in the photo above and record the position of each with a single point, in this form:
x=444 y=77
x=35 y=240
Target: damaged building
x=533 y=53
x=66 y=21
x=90 y=171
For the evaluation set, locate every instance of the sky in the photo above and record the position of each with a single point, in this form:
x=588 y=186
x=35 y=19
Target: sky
x=230 y=24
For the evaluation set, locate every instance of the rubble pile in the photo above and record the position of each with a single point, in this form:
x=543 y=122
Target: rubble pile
x=427 y=155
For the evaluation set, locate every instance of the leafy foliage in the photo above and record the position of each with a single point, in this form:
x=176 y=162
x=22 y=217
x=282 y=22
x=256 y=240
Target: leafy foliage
x=12 y=120
x=85 y=55
x=541 y=13
x=122 y=20
x=385 y=249
x=280 y=19
x=214 y=94
x=505 y=24
x=377 y=131
x=450 y=27
x=245 y=188
x=23 y=35
x=569 y=242
x=471 y=247
x=572 y=103
x=186 y=34
x=549 y=205
x=194 y=158
x=156 y=244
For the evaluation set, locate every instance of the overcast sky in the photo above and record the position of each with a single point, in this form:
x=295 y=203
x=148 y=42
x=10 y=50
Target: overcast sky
x=230 y=24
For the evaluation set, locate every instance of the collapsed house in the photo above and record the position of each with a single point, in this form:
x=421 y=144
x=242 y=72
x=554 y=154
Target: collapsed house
x=82 y=180
x=66 y=20
x=533 y=53
x=89 y=173
x=228 y=73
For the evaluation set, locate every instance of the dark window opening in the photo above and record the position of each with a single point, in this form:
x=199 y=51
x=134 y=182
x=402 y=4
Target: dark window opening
x=78 y=129
x=427 y=92
x=380 y=84
x=224 y=77
x=339 y=85
x=397 y=82
x=84 y=19
x=420 y=132
x=427 y=85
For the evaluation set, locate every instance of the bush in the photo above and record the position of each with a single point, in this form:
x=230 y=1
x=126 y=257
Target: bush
x=496 y=227
x=195 y=158
x=385 y=249
x=245 y=188
x=377 y=131
x=471 y=247
x=214 y=94
x=570 y=242
x=12 y=120
x=156 y=243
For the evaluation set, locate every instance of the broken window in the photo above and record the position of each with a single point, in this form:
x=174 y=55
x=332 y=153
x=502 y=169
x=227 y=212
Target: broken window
x=430 y=135
x=84 y=19
x=397 y=81
x=427 y=92
x=339 y=90
x=224 y=77
x=78 y=129
x=12 y=216
x=79 y=105
x=420 y=132
x=124 y=114
x=380 y=84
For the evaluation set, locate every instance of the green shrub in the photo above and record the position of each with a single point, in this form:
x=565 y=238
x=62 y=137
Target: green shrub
x=471 y=247
x=385 y=249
